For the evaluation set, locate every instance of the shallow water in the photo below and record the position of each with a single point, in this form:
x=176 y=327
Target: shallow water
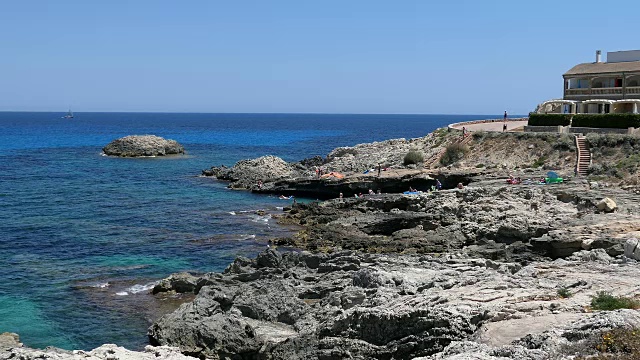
x=84 y=236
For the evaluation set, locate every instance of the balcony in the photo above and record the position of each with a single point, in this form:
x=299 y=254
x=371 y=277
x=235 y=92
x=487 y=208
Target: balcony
x=617 y=91
x=577 y=92
x=635 y=90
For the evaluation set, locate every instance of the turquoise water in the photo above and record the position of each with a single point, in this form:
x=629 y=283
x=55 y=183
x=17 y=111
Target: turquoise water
x=83 y=236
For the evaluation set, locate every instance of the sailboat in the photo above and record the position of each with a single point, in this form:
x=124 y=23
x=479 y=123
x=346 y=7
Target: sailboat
x=69 y=115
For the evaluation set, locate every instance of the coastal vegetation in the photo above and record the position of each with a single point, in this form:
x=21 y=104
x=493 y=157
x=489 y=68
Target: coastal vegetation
x=413 y=157
x=453 y=153
x=619 y=343
x=564 y=293
x=607 y=302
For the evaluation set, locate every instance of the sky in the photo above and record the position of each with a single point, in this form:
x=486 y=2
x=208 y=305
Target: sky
x=292 y=56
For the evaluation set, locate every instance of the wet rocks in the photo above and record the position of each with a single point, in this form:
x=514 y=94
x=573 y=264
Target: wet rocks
x=142 y=145
x=181 y=283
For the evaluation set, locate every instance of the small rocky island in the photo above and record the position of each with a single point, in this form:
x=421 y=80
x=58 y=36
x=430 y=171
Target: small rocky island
x=142 y=145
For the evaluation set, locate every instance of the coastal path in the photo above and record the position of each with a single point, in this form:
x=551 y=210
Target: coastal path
x=491 y=125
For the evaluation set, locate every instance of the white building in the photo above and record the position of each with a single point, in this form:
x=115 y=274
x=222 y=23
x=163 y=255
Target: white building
x=600 y=87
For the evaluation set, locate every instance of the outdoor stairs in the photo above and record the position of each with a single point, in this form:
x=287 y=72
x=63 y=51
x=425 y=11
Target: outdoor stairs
x=434 y=160
x=584 y=155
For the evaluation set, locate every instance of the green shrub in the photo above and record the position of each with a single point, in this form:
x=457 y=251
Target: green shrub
x=539 y=163
x=564 y=293
x=609 y=121
x=612 y=140
x=629 y=164
x=453 y=153
x=413 y=157
x=565 y=143
x=625 y=343
x=605 y=301
x=479 y=135
x=549 y=119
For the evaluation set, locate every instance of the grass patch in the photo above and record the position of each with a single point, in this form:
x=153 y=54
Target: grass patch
x=564 y=293
x=607 y=302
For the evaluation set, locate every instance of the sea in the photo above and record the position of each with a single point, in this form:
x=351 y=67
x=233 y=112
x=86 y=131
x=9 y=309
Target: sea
x=84 y=237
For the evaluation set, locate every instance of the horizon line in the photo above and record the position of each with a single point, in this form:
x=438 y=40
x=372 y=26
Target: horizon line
x=239 y=113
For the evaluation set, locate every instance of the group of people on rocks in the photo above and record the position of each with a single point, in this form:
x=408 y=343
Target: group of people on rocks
x=514 y=180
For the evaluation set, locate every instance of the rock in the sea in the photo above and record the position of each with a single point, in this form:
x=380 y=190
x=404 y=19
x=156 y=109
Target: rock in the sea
x=246 y=174
x=606 y=205
x=142 y=145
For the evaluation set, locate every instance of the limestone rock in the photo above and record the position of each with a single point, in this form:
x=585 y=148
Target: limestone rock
x=632 y=249
x=9 y=340
x=142 y=145
x=606 y=205
x=354 y=305
x=104 y=352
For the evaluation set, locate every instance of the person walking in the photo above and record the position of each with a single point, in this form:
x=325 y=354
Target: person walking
x=505 y=115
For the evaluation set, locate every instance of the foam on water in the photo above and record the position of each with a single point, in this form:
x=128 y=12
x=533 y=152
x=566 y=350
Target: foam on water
x=138 y=288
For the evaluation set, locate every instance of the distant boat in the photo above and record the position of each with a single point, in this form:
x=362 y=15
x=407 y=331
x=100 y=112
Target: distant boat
x=69 y=115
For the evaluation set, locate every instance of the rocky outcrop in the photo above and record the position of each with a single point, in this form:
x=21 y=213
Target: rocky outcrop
x=301 y=179
x=247 y=174
x=142 y=145
x=370 y=306
x=518 y=223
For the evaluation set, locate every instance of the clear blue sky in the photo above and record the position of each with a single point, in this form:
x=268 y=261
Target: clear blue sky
x=369 y=56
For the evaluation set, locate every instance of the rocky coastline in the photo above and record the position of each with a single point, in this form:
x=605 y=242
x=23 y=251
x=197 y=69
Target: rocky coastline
x=484 y=270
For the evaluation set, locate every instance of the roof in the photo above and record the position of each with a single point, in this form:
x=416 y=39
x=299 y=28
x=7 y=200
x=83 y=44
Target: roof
x=603 y=68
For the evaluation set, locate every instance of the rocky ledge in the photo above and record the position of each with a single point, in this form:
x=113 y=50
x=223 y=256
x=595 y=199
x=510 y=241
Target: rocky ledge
x=512 y=223
x=11 y=348
x=350 y=305
x=142 y=145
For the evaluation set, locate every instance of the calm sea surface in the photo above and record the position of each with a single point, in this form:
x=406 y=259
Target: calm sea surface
x=83 y=236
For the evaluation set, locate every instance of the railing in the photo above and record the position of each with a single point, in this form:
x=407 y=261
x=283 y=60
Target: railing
x=633 y=90
x=577 y=91
x=607 y=91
